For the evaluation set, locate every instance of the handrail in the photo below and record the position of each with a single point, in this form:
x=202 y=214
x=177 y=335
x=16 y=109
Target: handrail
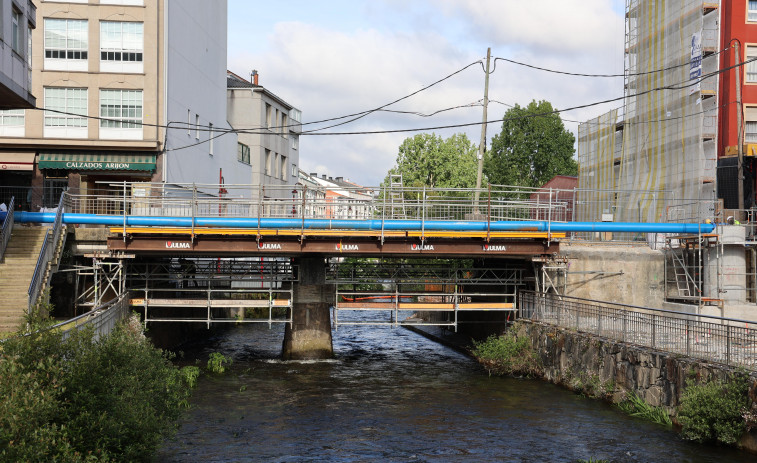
x=722 y=340
x=46 y=255
x=5 y=232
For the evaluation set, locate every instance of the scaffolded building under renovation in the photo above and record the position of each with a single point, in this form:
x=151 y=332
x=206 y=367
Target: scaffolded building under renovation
x=656 y=158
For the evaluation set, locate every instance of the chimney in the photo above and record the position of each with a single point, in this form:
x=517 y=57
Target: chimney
x=339 y=179
x=314 y=174
x=323 y=176
x=254 y=77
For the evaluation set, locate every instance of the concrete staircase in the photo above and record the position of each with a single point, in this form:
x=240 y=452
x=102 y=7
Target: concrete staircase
x=16 y=273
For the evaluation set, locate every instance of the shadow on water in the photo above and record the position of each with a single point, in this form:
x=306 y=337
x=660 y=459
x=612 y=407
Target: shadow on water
x=391 y=395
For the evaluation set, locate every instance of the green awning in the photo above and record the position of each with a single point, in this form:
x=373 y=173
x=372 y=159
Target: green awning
x=101 y=160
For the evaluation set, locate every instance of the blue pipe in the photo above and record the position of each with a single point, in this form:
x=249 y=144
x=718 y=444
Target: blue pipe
x=353 y=224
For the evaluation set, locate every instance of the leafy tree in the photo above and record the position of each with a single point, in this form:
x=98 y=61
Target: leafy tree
x=533 y=147
x=429 y=160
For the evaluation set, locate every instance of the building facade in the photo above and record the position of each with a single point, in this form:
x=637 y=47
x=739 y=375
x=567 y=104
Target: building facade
x=663 y=155
x=268 y=135
x=17 y=21
x=117 y=84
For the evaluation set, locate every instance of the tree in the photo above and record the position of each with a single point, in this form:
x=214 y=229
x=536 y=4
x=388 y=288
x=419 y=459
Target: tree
x=532 y=148
x=429 y=160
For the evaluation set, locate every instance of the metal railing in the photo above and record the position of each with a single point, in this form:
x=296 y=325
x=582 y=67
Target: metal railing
x=388 y=202
x=5 y=232
x=102 y=319
x=46 y=255
x=722 y=340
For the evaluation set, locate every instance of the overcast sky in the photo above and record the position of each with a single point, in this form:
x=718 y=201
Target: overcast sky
x=332 y=58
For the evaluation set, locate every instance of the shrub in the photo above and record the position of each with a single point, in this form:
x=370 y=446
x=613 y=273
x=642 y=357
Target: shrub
x=507 y=354
x=84 y=400
x=217 y=362
x=713 y=411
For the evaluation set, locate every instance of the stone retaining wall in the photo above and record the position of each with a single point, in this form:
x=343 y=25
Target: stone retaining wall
x=602 y=367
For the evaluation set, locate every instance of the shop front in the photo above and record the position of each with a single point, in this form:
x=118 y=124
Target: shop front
x=92 y=174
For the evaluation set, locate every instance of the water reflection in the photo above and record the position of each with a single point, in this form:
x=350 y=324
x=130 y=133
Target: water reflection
x=394 y=396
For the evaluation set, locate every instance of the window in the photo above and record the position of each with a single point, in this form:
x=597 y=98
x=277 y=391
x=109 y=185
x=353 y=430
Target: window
x=211 y=135
x=197 y=126
x=122 y=2
x=752 y=11
x=275 y=166
x=123 y=111
x=243 y=153
x=295 y=114
x=283 y=168
x=267 y=162
x=12 y=123
x=72 y=104
x=750 y=117
x=66 y=44
x=121 y=46
x=751 y=68
x=295 y=174
x=284 y=128
x=17 y=38
x=295 y=142
x=267 y=115
x=12 y=117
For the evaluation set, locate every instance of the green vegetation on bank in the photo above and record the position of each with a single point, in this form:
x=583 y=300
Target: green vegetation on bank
x=508 y=354
x=715 y=410
x=635 y=406
x=81 y=399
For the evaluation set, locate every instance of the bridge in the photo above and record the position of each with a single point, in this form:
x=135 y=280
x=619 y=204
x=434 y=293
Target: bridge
x=220 y=253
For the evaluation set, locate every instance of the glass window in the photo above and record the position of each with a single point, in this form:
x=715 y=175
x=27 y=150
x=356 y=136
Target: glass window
x=121 y=41
x=750 y=134
x=243 y=153
x=121 y=109
x=66 y=39
x=267 y=115
x=751 y=68
x=295 y=114
x=268 y=162
x=68 y=105
x=12 y=117
x=295 y=142
x=17 y=29
x=752 y=12
x=283 y=168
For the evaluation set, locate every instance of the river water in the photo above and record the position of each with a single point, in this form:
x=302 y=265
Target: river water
x=394 y=396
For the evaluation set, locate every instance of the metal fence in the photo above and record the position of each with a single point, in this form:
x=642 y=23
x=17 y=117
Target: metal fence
x=102 y=319
x=388 y=202
x=7 y=229
x=46 y=255
x=715 y=339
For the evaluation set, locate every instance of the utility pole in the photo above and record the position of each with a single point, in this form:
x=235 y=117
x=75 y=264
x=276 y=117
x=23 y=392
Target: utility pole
x=482 y=144
x=739 y=135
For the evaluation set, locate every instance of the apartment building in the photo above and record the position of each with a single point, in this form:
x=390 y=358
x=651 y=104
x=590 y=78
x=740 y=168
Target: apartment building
x=17 y=21
x=128 y=90
x=268 y=135
x=669 y=152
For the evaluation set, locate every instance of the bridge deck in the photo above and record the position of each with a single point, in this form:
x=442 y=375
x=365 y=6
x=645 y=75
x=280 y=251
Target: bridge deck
x=290 y=242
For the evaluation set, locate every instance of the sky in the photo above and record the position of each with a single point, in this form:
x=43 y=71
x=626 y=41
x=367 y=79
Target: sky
x=332 y=58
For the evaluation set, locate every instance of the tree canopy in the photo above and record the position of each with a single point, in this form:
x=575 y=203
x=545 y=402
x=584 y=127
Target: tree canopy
x=429 y=160
x=532 y=147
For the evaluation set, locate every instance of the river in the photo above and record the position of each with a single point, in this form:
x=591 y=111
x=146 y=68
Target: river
x=394 y=396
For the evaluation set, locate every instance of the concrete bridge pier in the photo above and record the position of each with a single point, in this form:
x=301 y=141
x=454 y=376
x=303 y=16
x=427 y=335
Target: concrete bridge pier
x=308 y=337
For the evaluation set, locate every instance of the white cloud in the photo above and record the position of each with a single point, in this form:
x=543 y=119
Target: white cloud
x=327 y=72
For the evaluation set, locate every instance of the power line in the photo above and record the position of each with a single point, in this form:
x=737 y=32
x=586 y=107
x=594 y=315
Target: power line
x=578 y=74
